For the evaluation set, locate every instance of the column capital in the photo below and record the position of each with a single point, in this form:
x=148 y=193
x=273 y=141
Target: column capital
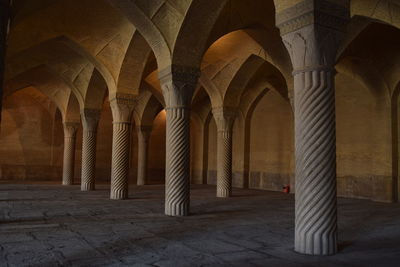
x=224 y=117
x=90 y=118
x=326 y=13
x=70 y=129
x=312 y=31
x=122 y=106
x=178 y=84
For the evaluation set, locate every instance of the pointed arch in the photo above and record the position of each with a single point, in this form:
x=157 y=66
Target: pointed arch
x=96 y=91
x=240 y=80
x=47 y=82
x=385 y=11
x=133 y=66
x=147 y=29
x=72 y=113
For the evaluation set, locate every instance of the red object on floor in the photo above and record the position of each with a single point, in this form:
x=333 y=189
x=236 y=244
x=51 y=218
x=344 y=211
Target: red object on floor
x=286 y=189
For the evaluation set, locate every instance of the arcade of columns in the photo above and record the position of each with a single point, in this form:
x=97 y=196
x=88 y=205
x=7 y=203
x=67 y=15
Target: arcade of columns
x=313 y=33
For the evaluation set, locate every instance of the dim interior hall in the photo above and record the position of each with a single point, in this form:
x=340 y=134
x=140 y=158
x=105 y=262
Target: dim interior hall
x=196 y=132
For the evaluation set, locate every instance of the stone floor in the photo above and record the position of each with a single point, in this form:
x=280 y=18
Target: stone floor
x=51 y=225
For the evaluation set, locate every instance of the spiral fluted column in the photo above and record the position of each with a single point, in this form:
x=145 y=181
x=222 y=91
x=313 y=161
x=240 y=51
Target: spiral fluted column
x=90 y=120
x=224 y=119
x=143 y=133
x=316 y=227
x=178 y=84
x=312 y=38
x=70 y=129
x=122 y=107
x=177 y=190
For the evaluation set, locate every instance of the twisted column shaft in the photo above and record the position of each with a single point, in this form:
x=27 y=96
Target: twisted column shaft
x=120 y=160
x=177 y=184
x=69 y=152
x=143 y=144
x=122 y=107
x=224 y=118
x=315 y=139
x=312 y=34
x=224 y=164
x=178 y=84
x=90 y=119
x=88 y=160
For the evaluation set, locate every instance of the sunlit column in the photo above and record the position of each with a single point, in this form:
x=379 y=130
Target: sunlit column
x=70 y=129
x=178 y=84
x=122 y=107
x=312 y=32
x=224 y=119
x=90 y=119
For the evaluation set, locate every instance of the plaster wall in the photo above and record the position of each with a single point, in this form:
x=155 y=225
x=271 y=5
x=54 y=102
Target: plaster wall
x=271 y=143
x=238 y=154
x=156 y=159
x=104 y=144
x=197 y=139
x=31 y=142
x=212 y=153
x=31 y=138
x=364 y=163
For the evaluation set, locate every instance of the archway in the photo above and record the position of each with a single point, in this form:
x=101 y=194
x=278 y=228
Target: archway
x=366 y=142
x=156 y=164
x=271 y=143
x=31 y=138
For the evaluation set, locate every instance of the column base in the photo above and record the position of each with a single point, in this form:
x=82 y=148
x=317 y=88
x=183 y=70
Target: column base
x=223 y=193
x=119 y=195
x=322 y=246
x=67 y=183
x=87 y=187
x=172 y=210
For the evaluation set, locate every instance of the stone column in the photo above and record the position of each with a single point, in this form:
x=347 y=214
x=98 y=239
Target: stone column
x=4 y=23
x=90 y=119
x=178 y=84
x=312 y=31
x=70 y=129
x=121 y=106
x=143 y=133
x=224 y=119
